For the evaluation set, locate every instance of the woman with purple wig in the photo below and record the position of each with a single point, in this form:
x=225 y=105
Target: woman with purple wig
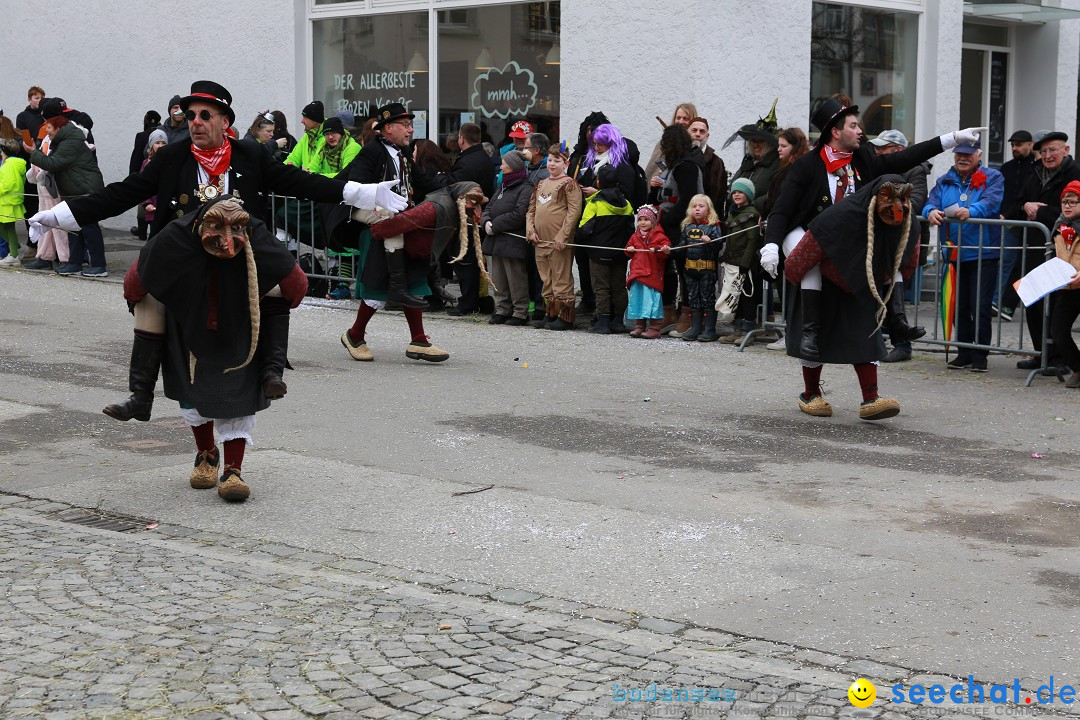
x=606 y=146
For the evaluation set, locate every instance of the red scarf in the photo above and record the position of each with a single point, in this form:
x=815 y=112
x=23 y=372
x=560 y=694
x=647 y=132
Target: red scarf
x=216 y=161
x=834 y=159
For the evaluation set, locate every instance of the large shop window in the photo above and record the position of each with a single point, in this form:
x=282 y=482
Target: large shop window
x=363 y=62
x=497 y=65
x=869 y=55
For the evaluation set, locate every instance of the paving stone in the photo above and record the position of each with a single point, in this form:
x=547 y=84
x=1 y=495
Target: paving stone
x=514 y=597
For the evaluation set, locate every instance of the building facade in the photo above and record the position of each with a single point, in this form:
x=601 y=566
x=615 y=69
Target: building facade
x=923 y=66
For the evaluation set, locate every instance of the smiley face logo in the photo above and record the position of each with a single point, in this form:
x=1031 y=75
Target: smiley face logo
x=862 y=693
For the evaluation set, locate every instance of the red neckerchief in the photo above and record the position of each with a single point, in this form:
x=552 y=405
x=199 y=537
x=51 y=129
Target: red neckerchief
x=834 y=159
x=216 y=161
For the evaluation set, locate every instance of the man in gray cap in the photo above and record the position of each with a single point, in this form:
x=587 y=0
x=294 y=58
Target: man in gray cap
x=888 y=142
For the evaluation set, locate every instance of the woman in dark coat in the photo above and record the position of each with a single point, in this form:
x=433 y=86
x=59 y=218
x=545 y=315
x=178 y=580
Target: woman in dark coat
x=504 y=240
x=683 y=179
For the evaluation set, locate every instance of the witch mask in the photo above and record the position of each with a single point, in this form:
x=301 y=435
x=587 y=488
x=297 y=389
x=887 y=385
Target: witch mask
x=893 y=202
x=224 y=229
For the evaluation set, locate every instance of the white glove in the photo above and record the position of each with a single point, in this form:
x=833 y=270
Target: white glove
x=770 y=258
x=967 y=135
x=37 y=230
x=368 y=195
x=487 y=228
x=58 y=217
x=387 y=198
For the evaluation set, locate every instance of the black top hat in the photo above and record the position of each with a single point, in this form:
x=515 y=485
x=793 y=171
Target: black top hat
x=1020 y=136
x=333 y=124
x=1052 y=135
x=390 y=112
x=828 y=114
x=208 y=91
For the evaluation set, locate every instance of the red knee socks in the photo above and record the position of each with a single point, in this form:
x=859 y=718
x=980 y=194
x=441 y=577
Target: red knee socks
x=363 y=314
x=811 y=381
x=415 y=317
x=234 y=452
x=204 y=436
x=867 y=373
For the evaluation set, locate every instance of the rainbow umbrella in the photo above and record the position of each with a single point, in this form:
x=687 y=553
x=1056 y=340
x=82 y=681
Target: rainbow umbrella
x=948 y=289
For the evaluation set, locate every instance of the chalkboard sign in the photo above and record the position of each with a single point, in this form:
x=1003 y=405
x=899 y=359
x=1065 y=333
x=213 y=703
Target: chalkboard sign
x=506 y=91
x=999 y=73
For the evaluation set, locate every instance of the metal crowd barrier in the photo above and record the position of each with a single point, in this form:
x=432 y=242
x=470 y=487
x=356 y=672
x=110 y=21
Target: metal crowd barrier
x=296 y=220
x=1007 y=337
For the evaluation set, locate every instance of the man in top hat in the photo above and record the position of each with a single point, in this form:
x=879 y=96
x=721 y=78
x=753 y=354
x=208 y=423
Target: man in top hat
x=388 y=272
x=1040 y=201
x=184 y=176
x=838 y=165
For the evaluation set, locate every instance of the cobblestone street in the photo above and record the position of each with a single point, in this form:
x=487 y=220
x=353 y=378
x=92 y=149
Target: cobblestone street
x=166 y=622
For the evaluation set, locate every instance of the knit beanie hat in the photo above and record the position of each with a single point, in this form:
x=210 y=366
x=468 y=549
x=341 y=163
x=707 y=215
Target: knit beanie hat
x=172 y=103
x=314 y=111
x=745 y=187
x=514 y=160
x=156 y=136
x=1073 y=187
x=649 y=212
x=347 y=118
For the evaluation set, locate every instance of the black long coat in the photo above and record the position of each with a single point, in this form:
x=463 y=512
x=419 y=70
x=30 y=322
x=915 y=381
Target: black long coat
x=172 y=175
x=474 y=165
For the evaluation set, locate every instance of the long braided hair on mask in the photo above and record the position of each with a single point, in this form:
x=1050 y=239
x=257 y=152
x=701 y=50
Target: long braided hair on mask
x=228 y=211
x=477 y=197
x=871 y=213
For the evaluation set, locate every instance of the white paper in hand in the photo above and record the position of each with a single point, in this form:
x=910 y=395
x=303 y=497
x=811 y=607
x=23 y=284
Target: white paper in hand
x=1052 y=275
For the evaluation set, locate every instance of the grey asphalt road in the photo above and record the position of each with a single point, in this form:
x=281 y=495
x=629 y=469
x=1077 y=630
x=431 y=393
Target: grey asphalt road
x=673 y=479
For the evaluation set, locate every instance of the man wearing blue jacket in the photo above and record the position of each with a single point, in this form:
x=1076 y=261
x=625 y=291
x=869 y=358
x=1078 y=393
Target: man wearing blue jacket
x=969 y=191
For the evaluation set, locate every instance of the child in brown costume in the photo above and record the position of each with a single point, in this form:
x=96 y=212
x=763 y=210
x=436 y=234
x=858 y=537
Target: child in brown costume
x=554 y=211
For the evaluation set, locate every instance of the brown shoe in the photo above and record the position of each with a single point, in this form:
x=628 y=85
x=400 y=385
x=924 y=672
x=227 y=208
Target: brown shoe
x=426 y=351
x=639 y=328
x=683 y=324
x=1073 y=381
x=205 y=474
x=654 y=330
x=879 y=409
x=232 y=486
x=358 y=352
x=816 y=406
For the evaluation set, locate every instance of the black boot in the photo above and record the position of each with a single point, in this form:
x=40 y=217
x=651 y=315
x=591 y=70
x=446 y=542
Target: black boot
x=142 y=378
x=708 y=325
x=896 y=319
x=695 y=325
x=398 y=289
x=273 y=354
x=811 y=323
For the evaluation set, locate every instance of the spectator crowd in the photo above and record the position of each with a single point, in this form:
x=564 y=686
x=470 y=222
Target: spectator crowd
x=663 y=245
